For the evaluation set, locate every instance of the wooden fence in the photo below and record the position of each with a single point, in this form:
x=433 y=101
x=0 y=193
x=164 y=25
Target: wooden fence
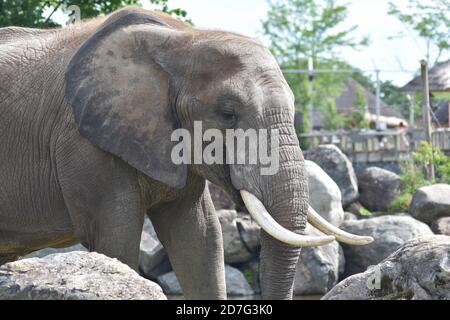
x=378 y=146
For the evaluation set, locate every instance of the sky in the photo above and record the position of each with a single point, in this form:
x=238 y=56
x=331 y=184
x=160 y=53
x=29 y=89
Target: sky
x=401 y=55
x=397 y=59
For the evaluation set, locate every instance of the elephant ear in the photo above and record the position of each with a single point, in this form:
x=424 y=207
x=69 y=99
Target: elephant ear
x=120 y=95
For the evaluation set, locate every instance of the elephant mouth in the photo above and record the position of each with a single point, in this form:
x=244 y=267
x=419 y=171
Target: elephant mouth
x=260 y=214
x=246 y=200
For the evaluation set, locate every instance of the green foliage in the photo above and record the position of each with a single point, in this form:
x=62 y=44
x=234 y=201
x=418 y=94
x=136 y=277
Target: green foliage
x=364 y=212
x=333 y=120
x=401 y=204
x=427 y=155
x=30 y=13
x=303 y=29
x=393 y=96
x=412 y=176
x=413 y=173
x=307 y=28
x=176 y=12
x=93 y=8
x=429 y=19
x=24 y=13
x=361 y=101
x=358 y=119
x=365 y=81
x=248 y=274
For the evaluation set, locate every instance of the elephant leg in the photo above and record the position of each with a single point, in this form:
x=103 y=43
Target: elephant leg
x=113 y=227
x=190 y=231
x=104 y=203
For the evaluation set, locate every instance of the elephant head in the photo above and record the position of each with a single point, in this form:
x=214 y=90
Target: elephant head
x=141 y=76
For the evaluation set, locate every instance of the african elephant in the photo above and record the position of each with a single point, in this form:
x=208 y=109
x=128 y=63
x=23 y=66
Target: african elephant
x=87 y=114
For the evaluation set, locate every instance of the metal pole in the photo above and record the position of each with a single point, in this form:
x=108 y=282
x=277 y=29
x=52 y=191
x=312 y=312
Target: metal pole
x=426 y=113
x=310 y=92
x=411 y=110
x=377 y=106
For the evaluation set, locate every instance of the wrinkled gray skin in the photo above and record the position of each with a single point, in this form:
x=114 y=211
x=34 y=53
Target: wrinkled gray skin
x=86 y=118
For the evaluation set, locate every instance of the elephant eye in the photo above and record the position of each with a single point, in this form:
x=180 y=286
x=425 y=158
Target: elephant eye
x=226 y=108
x=228 y=115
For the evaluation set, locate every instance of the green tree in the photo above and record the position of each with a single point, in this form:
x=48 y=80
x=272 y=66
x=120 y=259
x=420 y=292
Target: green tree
x=429 y=19
x=24 y=13
x=413 y=177
x=31 y=13
x=303 y=29
x=393 y=96
x=358 y=118
x=333 y=120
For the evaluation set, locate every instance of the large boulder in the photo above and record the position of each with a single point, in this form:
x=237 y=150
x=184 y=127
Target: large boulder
x=236 y=283
x=48 y=251
x=419 y=270
x=324 y=194
x=441 y=226
x=318 y=268
x=378 y=188
x=240 y=236
x=389 y=233
x=74 y=276
x=350 y=216
x=431 y=203
x=336 y=164
x=153 y=259
x=221 y=199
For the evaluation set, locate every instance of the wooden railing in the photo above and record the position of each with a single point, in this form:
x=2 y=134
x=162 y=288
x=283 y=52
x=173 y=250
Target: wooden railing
x=378 y=146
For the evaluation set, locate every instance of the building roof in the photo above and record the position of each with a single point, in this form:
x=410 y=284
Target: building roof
x=442 y=113
x=438 y=77
x=346 y=104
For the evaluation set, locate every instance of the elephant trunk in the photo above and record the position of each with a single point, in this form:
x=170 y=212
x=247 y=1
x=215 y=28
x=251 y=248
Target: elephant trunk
x=288 y=207
x=279 y=204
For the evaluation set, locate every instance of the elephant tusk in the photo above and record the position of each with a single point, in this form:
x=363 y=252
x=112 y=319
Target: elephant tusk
x=269 y=225
x=323 y=225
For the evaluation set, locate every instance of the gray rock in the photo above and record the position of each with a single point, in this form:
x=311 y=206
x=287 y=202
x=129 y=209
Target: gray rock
x=251 y=271
x=341 y=261
x=378 y=188
x=419 y=270
x=74 y=275
x=324 y=194
x=350 y=216
x=441 y=226
x=220 y=198
x=236 y=283
x=389 y=232
x=47 y=251
x=383 y=213
x=318 y=267
x=153 y=259
x=355 y=207
x=169 y=284
x=336 y=164
x=431 y=203
x=240 y=236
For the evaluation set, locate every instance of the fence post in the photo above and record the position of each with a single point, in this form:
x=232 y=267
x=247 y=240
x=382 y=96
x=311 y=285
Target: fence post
x=426 y=113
